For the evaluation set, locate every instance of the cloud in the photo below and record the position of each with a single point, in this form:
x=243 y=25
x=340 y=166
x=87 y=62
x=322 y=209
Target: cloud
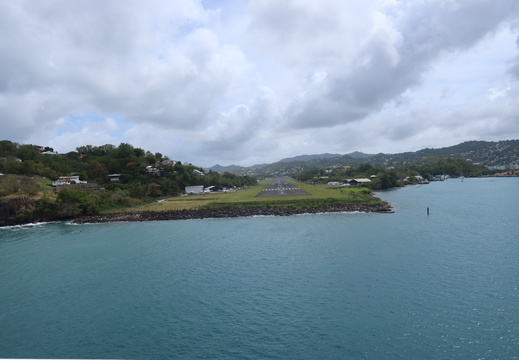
x=310 y=34
x=494 y=94
x=118 y=57
x=221 y=82
x=396 y=57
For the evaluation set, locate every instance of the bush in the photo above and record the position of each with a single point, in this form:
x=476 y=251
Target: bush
x=77 y=202
x=17 y=184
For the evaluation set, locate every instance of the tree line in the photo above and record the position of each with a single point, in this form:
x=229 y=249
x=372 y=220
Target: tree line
x=142 y=176
x=385 y=178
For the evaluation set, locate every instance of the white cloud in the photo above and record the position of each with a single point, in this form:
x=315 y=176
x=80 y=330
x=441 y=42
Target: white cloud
x=260 y=80
x=495 y=94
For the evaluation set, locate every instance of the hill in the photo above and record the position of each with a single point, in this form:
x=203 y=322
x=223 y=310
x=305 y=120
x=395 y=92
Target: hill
x=310 y=157
x=492 y=154
x=91 y=180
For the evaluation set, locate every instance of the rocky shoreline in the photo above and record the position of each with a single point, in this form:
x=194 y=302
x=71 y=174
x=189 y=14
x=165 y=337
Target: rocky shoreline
x=223 y=213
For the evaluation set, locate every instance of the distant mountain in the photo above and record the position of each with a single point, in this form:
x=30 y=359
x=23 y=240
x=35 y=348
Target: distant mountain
x=310 y=157
x=489 y=153
x=359 y=155
x=230 y=168
x=258 y=166
x=236 y=169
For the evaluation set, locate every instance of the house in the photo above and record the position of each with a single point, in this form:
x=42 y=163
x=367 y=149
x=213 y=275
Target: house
x=441 y=177
x=418 y=178
x=358 y=181
x=196 y=189
x=333 y=183
x=168 y=162
x=152 y=170
x=60 y=182
x=114 y=177
x=68 y=180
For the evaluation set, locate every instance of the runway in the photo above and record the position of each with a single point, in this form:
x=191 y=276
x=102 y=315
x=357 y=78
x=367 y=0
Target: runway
x=281 y=187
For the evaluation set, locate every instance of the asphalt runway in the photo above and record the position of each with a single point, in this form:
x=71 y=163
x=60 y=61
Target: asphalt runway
x=281 y=187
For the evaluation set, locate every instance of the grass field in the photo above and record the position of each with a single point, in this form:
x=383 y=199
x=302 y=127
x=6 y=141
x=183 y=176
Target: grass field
x=246 y=198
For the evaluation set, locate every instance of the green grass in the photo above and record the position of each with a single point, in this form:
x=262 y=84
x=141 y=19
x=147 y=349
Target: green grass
x=246 y=198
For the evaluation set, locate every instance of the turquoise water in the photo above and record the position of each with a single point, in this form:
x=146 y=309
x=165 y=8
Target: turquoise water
x=328 y=286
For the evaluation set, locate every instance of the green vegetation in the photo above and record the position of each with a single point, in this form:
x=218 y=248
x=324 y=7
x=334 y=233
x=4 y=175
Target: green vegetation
x=504 y=154
x=153 y=182
x=319 y=197
x=456 y=167
x=28 y=172
x=18 y=184
x=385 y=178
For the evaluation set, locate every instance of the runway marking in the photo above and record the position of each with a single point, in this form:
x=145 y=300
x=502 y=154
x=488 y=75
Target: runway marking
x=278 y=189
x=281 y=188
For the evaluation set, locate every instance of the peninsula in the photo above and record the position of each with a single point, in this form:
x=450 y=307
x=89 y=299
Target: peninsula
x=116 y=183
x=284 y=197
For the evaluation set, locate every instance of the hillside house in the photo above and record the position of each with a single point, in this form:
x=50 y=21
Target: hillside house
x=168 y=162
x=152 y=170
x=68 y=180
x=114 y=177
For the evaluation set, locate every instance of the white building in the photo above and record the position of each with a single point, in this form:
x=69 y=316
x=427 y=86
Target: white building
x=197 y=189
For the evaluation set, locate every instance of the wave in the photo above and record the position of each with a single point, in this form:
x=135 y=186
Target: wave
x=24 y=226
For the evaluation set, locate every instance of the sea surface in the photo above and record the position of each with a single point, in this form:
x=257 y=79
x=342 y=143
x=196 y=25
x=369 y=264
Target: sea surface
x=405 y=285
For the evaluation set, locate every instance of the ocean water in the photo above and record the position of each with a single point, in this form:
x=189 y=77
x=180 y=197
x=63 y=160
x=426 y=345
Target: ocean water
x=405 y=285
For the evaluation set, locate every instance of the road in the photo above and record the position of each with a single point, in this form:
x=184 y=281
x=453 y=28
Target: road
x=281 y=187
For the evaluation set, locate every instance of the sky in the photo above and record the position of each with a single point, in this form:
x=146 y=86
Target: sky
x=247 y=82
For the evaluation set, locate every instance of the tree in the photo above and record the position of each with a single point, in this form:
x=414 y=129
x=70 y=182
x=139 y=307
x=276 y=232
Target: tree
x=75 y=202
x=73 y=155
x=151 y=159
x=97 y=171
x=139 y=152
x=27 y=152
x=7 y=148
x=125 y=150
x=365 y=168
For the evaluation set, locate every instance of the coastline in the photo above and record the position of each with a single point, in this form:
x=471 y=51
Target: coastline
x=13 y=215
x=223 y=213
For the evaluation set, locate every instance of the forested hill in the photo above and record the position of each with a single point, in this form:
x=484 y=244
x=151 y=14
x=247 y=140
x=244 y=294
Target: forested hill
x=99 y=178
x=142 y=171
x=489 y=153
x=486 y=153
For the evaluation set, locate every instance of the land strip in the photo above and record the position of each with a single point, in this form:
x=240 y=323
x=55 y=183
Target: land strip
x=246 y=203
x=281 y=187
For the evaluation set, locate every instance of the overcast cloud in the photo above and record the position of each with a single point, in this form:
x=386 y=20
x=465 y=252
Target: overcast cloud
x=242 y=82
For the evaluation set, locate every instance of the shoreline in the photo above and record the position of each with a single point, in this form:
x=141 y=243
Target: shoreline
x=222 y=213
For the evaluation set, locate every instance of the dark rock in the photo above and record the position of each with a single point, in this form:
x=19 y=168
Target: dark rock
x=223 y=213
